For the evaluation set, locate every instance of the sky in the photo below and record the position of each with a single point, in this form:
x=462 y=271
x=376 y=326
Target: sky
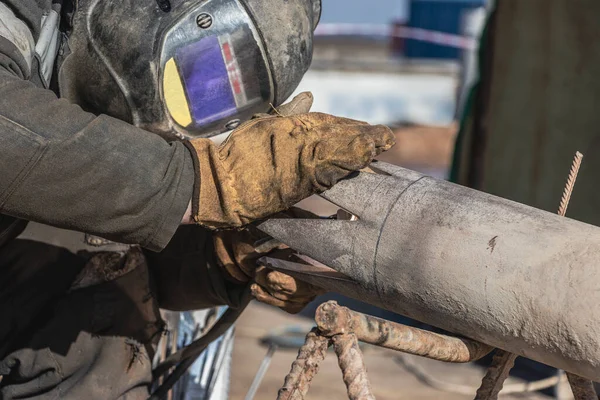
x=363 y=11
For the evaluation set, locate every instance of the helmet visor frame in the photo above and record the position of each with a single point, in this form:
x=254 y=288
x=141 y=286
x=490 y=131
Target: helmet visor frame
x=214 y=70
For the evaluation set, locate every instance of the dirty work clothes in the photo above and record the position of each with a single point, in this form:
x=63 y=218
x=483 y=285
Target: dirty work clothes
x=85 y=326
x=68 y=168
x=187 y=275
x=93 y=342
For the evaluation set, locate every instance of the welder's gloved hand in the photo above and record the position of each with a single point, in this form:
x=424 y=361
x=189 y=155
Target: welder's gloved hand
x=237 y=255
x=272 y=162
x=280 y=290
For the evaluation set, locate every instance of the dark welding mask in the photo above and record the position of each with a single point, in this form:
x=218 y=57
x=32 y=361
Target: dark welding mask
x=185 y=68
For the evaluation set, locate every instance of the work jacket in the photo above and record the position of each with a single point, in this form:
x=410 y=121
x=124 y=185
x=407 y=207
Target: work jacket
x=69 y=168
x=85 y=325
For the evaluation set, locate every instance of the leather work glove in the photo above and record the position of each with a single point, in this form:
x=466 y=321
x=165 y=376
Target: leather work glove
x=237 y=256
x=271 y=162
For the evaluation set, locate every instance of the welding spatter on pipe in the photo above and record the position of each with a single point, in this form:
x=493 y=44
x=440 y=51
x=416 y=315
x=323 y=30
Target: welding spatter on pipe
x=505 y=274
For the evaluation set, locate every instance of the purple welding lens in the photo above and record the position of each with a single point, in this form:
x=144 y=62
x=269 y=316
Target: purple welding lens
x=206 y=81
x=214 y=78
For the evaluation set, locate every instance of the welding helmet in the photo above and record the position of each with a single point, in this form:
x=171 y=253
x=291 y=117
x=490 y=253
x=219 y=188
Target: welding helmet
x=187 y=68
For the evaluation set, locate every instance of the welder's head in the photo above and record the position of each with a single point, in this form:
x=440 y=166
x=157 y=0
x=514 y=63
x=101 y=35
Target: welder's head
x=187 y=68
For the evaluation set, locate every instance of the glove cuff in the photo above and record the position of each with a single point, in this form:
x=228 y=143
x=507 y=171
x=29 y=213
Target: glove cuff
x=210 y=205
x=196 y=190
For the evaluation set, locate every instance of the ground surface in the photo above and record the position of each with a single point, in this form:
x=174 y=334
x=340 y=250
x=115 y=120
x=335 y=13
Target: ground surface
x=389 y=379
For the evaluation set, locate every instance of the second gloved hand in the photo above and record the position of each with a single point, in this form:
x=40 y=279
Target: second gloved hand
x=237 y=257
x=272 y=162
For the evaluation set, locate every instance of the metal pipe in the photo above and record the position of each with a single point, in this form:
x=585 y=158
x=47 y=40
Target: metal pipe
x=499 y=272
x=333 y=319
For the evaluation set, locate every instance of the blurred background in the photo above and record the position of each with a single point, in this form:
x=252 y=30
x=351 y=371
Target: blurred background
x=404 y=63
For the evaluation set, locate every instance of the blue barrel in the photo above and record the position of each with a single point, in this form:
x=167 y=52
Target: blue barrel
x=437 y=15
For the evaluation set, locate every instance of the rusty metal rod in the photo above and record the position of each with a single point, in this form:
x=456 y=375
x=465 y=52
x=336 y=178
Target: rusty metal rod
x=305 y=367
x=354 y=372
x=570 y=185
x=495 y=376
x=334 y=319
x=583 y=389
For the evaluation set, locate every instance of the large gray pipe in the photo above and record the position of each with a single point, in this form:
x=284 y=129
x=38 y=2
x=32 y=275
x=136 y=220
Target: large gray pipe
x=503 y=273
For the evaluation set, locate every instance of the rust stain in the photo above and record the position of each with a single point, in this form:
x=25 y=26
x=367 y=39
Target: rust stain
x=492 y=244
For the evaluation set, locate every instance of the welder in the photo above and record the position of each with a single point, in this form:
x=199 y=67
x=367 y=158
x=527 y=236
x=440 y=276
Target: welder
x=106 y=109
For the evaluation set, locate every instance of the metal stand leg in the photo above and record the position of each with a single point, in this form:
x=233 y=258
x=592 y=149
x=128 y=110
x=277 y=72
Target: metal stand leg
x=353 y=368
x=305 y=367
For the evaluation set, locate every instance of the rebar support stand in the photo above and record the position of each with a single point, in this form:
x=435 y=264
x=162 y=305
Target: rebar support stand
x=343 y=328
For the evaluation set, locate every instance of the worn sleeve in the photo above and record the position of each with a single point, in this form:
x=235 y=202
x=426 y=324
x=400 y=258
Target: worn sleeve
x=186 y=274
x=64 y=167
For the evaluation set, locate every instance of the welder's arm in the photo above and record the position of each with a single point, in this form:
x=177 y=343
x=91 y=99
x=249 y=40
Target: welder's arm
x=68 y=168
x=201 y=268
x=187 y=275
